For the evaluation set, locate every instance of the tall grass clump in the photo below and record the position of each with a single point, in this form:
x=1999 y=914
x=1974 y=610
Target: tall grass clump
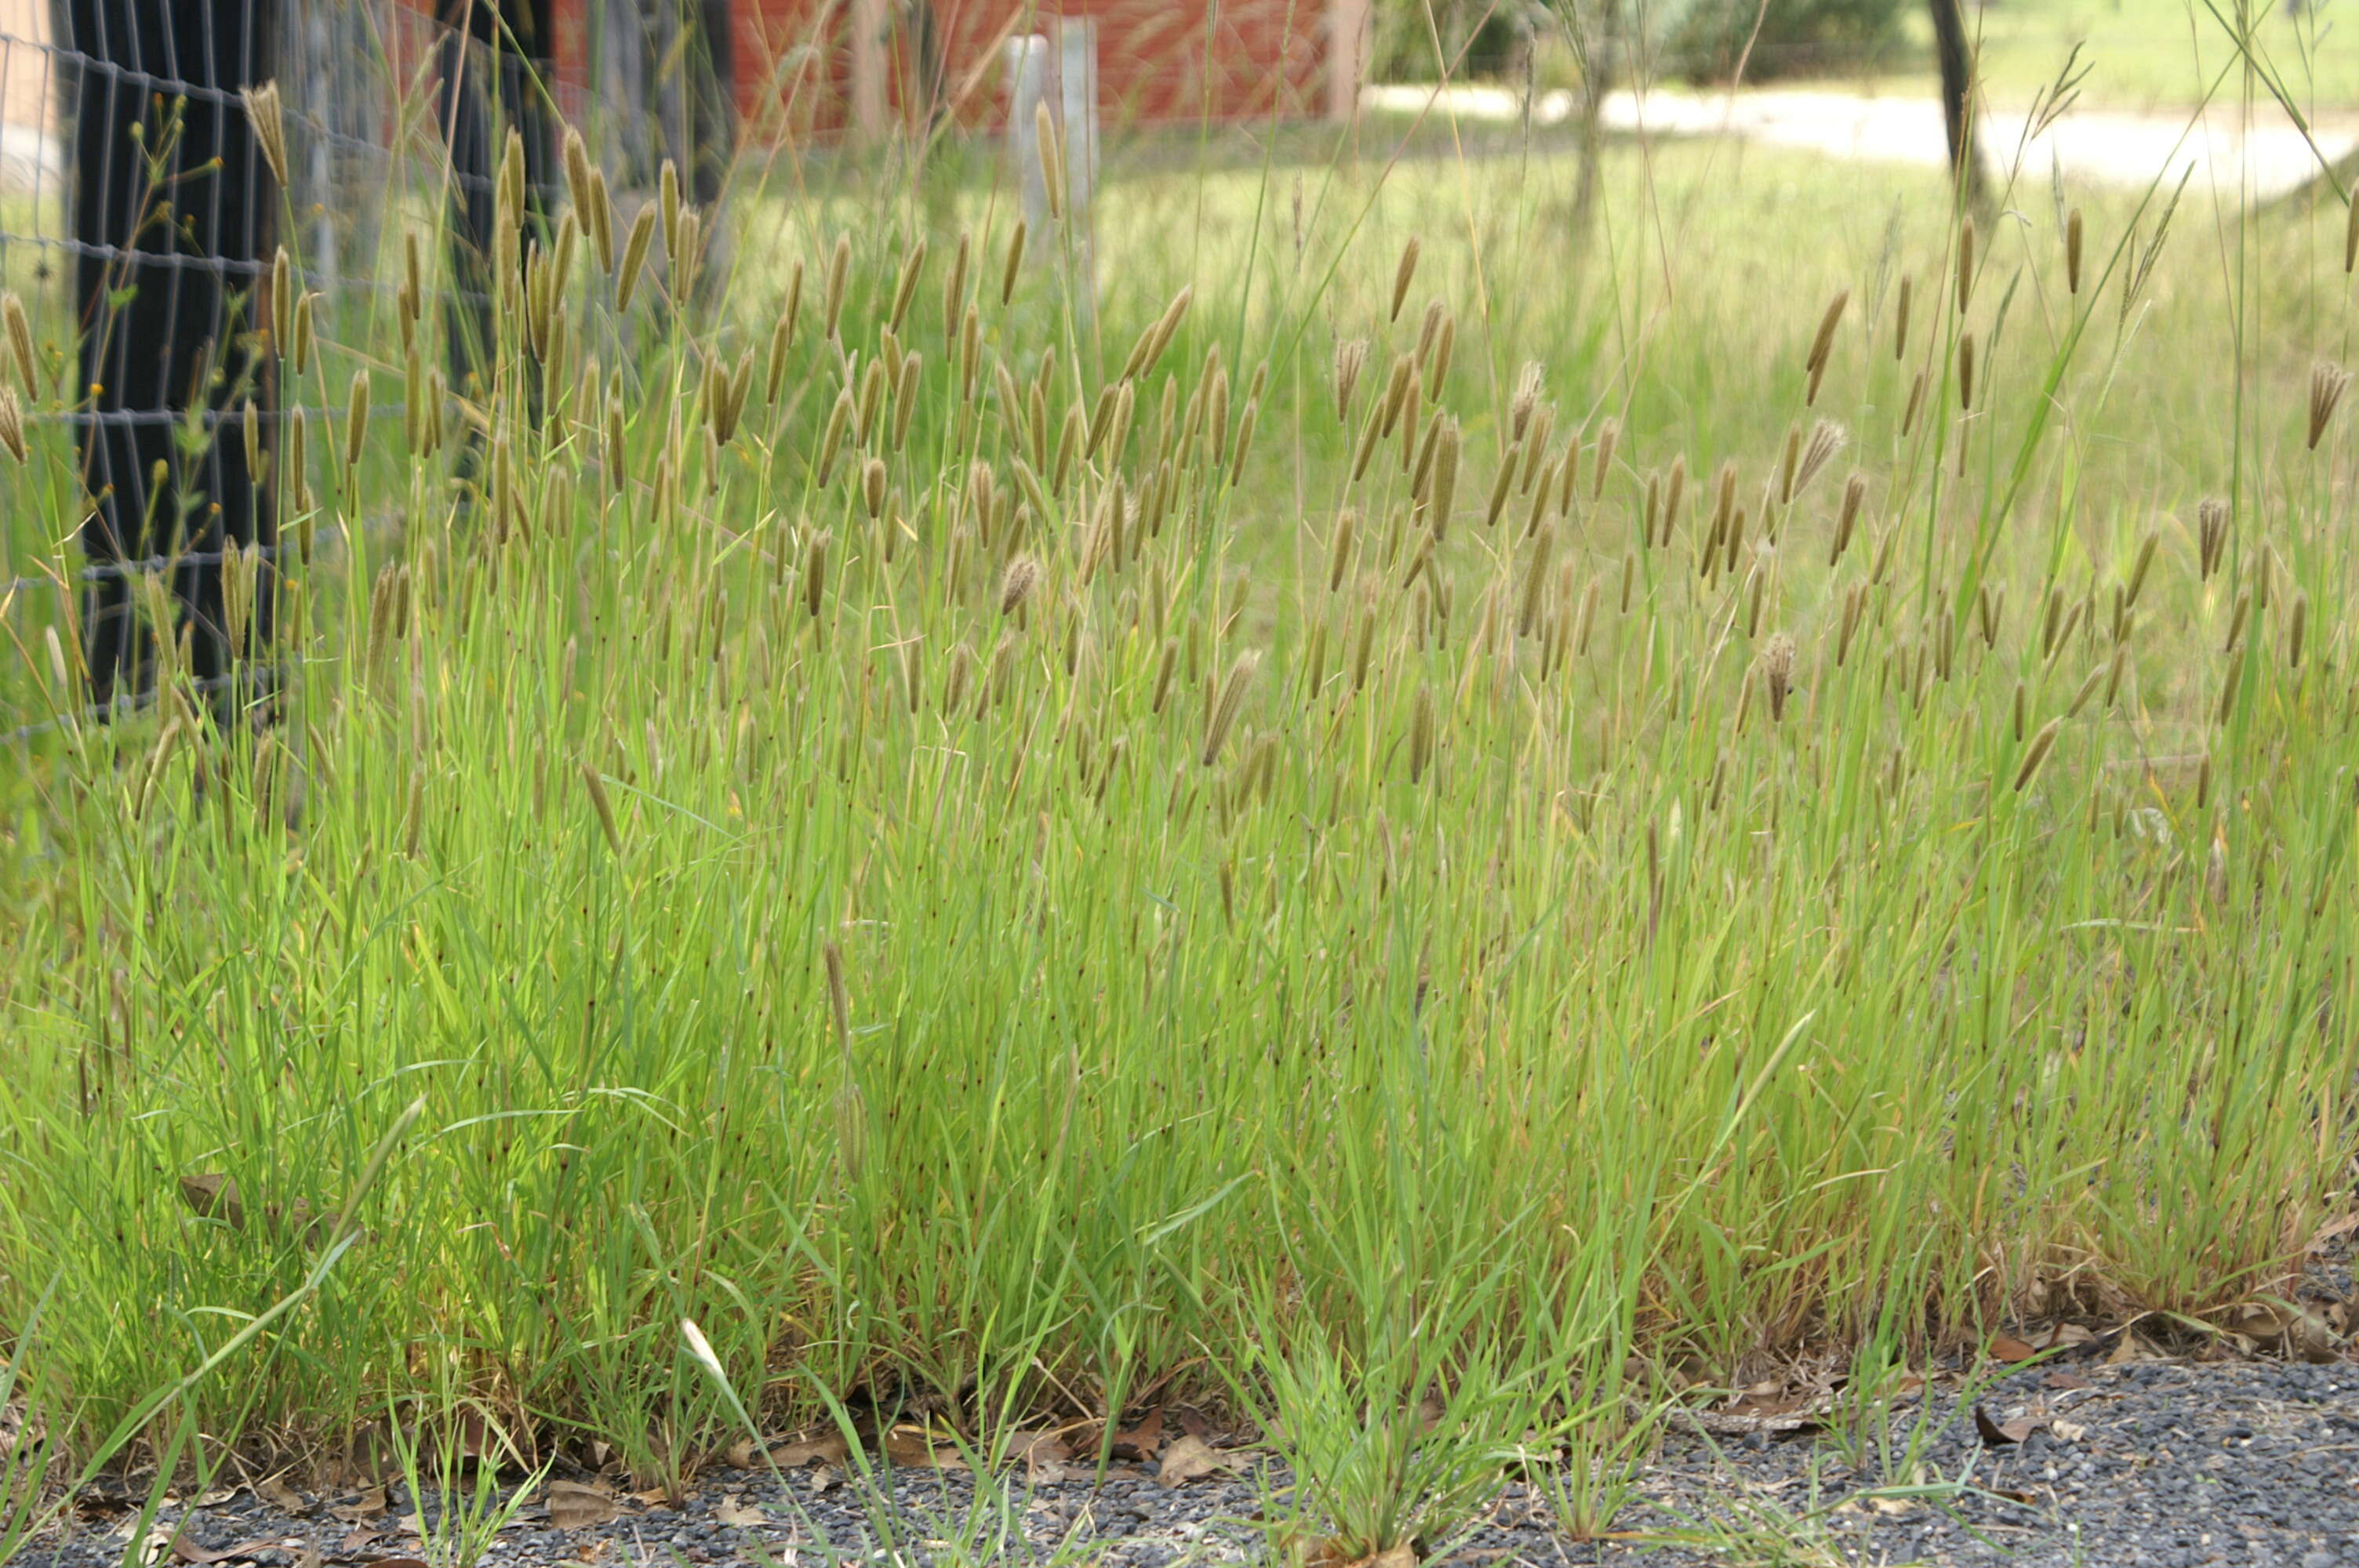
x=1352 y=819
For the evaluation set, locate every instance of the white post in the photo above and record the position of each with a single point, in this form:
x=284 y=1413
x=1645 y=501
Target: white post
x=869 y=26
x=1027 y=83
x=1351 y=45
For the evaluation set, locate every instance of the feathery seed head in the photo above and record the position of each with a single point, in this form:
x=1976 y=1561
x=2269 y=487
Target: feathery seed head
x=2327 y=383
x=269 y=128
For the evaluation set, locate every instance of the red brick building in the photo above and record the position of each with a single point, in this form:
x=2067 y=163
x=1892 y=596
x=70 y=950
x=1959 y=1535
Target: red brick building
x=826 y=67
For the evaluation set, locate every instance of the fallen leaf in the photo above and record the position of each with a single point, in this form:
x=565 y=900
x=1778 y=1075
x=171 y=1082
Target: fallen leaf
x=2013 y=1495
x=1401 y=1556
x=2067 y=1430
x=823 y=1478
x=411 y=1524
x=2132 y=1348
x=2007 y=1347
x=355 y=1543
x=1896 y=1508
x=572 y=1506
x=1191 y=1459
x=273 y=1490
x=741 y=1454
x=2000 y=1433
x=916 y=1448
x=1043 y=1454
x=1142 y=1442
x=2065 y=1381
x=2342 y=1225
x=215 y=1498
x=370 y=1502
x=2069 y=1335
x=734 y=1513
x=395 y=1562
x=826 y=1449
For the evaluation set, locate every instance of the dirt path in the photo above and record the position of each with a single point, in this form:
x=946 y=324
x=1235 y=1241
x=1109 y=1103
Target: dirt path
x=2104 y=147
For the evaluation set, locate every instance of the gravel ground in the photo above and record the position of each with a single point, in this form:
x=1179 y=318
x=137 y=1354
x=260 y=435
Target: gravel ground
x=2074 y=1460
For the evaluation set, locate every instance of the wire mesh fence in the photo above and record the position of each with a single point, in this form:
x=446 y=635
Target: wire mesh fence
x=189 y=267
x=193 y=195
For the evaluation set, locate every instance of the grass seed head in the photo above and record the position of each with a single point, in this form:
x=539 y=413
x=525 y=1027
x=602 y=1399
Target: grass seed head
x=1847 y=517
x=1965 y=370
x=2072 y=251
x=2037 y=753
x=954 y=285
x=1822 y=343
x=1013 y=264
x=1229 y=703
x=1017 y=583
x=1827 y=439
x=839 y=279
x=1403 y=276
x=635 y=258
x=905 y=288
x=2327 y=382
x=782 y=335
x=1965 y=262
x=12 y=423
x=1900 y=319
x=269 y=127
x=1052 y=160
x=1351 y=358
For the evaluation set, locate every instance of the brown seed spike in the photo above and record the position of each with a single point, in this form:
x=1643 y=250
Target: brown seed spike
x=2327 y=383
x=1403 y=276
x=1777 y=673
x=1824 y=343
x=2072 y=251
x=1965 y=262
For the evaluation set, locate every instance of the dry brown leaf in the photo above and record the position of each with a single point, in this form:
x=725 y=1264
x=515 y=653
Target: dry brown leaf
x=395 y=1562
x=2067 y=1430
x=823 y=1478
x=2065 y=1381
x=916 y=1448
x=1142 y=1442
x=1896 y=1508
x=370 y=1503
x=825 y=1449
x=411 y=1524
x=355 y=1543
x=2342 y=1225
x=1043 y=1454
x=2132 y=1348
x=273 y=1490
x=741 y=1454
x=1191 y=1459
x=1401 y=1556
x=572 y=1506
x=1998 y=1433
x=2007 y=1347
x=735 y=1513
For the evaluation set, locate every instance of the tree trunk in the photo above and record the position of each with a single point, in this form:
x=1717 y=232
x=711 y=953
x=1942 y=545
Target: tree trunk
x=1956 y=60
